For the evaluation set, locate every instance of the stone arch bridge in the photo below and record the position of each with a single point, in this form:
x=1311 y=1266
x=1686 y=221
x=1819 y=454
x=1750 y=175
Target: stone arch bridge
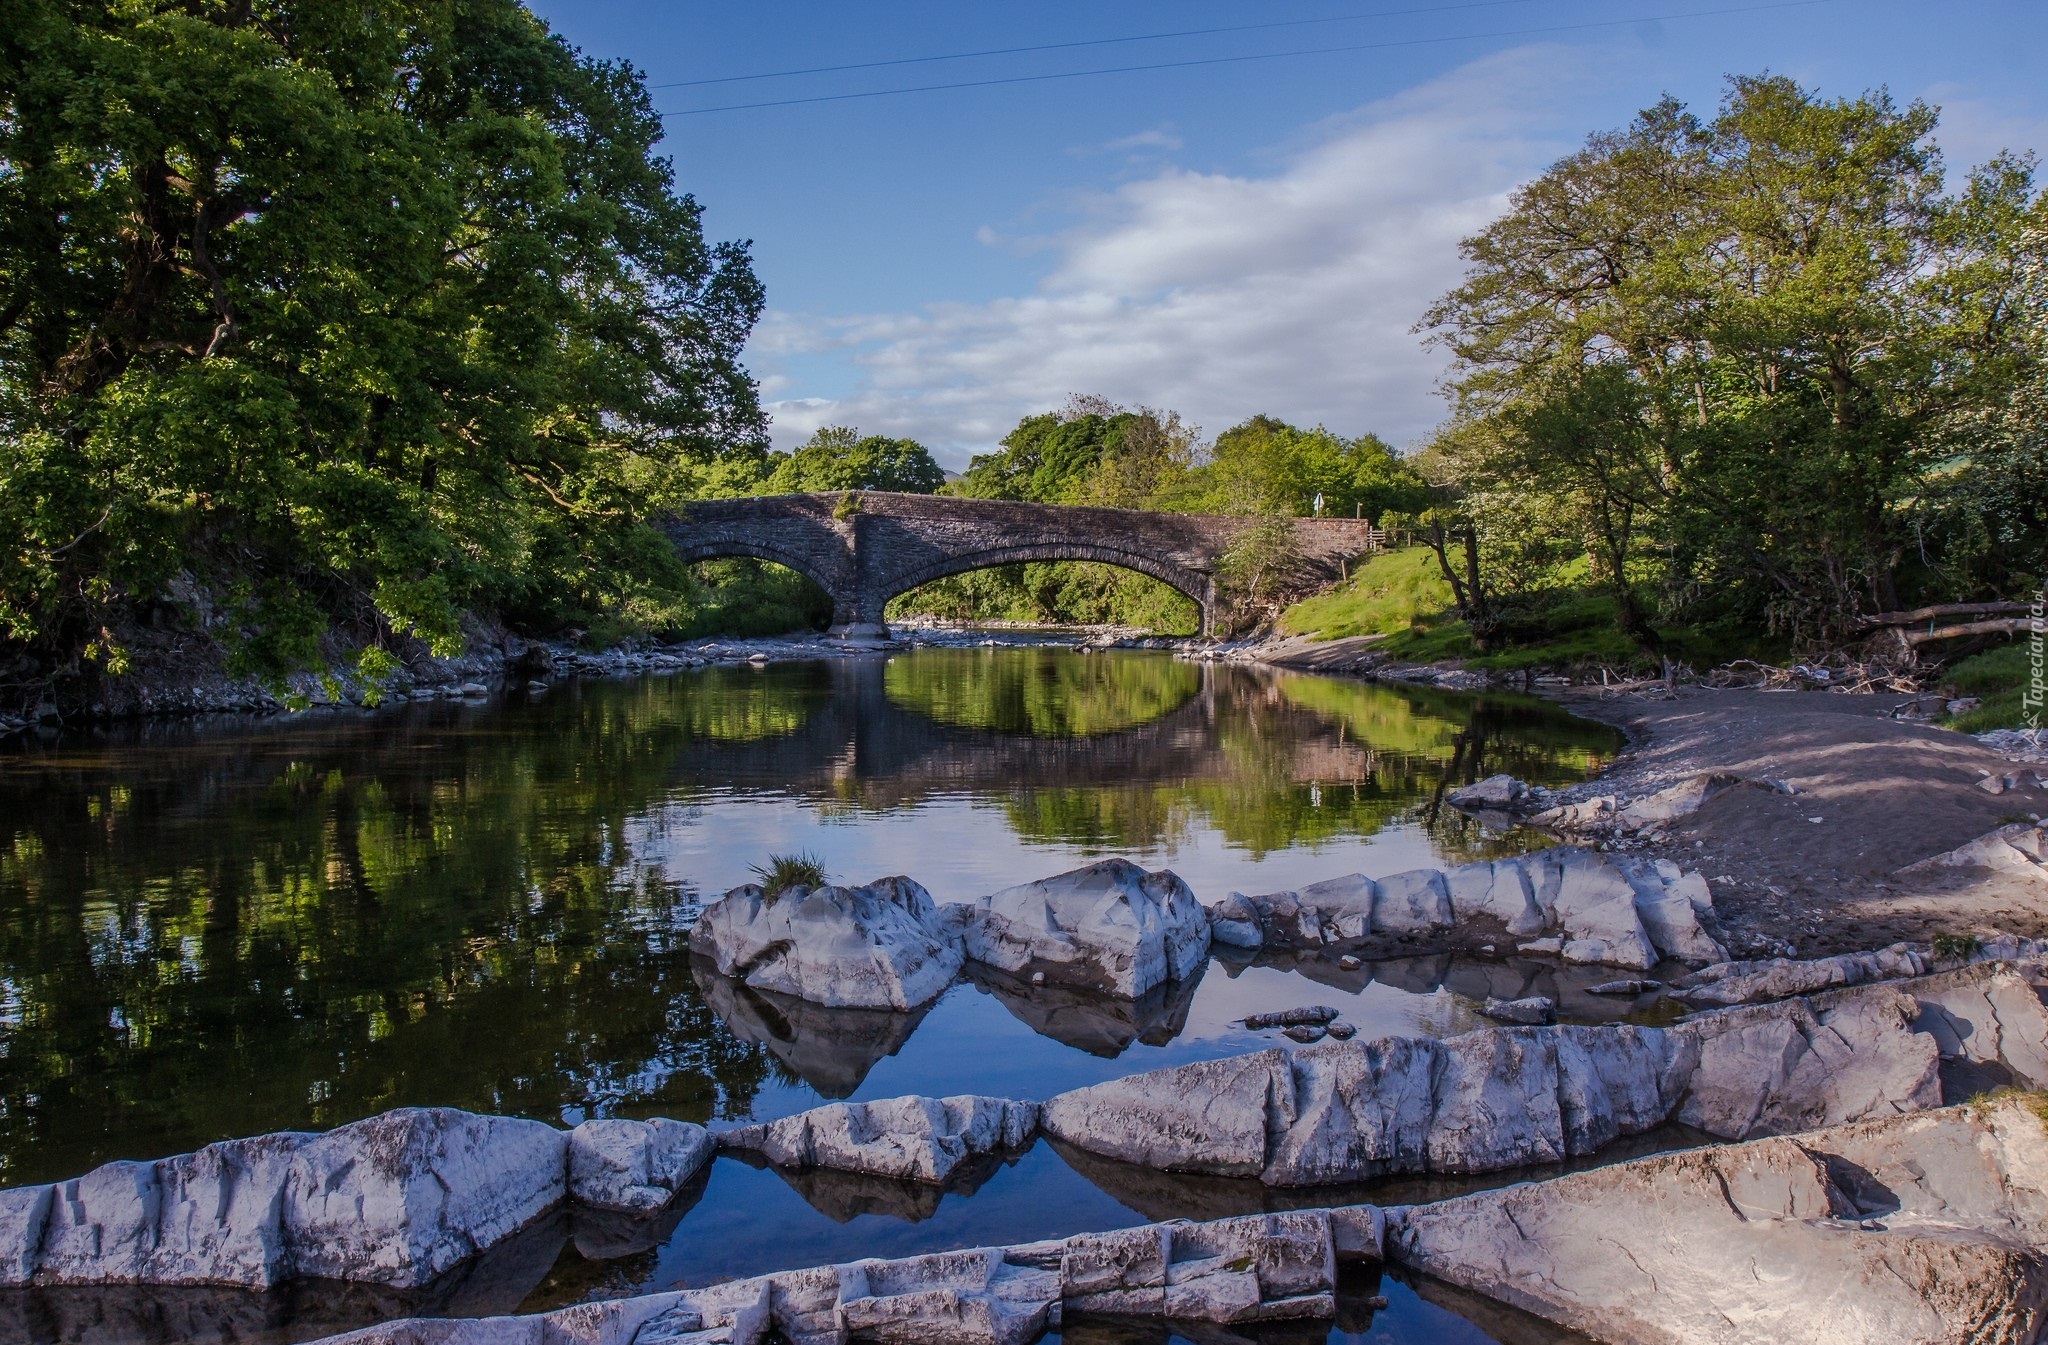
x=865 y=547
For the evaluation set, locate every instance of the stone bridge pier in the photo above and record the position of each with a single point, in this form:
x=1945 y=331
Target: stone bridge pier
x=865 y=547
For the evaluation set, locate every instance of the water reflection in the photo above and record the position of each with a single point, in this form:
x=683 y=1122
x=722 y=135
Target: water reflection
x=210 y=932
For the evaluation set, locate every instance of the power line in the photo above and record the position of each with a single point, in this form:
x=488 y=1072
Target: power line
x=1091 y=42
x=1263 y=56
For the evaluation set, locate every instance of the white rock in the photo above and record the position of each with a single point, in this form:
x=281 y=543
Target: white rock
x=1495 y=791
x=1501 y=891
x=879 y=946
x=1778 y=1068
x=1532 y=1009
x=1594 y=904
x=1209 y=1116
x=907 y=1138
x=399 y=1198
x=1412 y=901
x=619 y=1164
x=1110 y=926
x=1670 y=908
x=1757 y=1244
x=1343 y=907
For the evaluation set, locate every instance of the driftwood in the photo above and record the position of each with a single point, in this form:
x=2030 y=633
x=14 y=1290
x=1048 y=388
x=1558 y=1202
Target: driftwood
x=1943 y=611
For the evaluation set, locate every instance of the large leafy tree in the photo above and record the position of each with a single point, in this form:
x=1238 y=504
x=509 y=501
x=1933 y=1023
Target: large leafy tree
x=839 y=457
x=1728 y=345
x=341 y=311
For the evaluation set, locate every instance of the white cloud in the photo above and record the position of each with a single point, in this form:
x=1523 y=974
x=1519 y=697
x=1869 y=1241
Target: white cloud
x=1224 y=295
x=1153 y=138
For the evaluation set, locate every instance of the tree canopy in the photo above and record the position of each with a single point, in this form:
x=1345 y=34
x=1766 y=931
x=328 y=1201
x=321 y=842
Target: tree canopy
x=839 y=457
x=350 y=313
x=1733 y=363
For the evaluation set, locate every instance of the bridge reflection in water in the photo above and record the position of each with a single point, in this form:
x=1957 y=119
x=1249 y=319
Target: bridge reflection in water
x=1101 y=753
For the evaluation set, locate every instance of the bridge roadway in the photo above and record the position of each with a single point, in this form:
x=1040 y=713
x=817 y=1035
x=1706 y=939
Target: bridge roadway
x=865 y=547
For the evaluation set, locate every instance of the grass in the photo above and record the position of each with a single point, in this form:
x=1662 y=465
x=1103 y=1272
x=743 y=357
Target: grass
x=1999 y=678
x=1391 y=594
x=1955 y=945
x=802 y=870
x=1401 y=599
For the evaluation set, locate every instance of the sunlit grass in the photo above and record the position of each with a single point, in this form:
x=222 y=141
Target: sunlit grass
x=782 y=873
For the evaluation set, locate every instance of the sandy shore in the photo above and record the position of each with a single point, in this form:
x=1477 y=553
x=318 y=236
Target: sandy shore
x=1819 y=869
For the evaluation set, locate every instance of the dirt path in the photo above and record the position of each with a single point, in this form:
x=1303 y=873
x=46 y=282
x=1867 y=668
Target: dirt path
x=1819 y=870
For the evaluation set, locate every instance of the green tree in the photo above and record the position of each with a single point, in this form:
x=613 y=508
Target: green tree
x=1728 y=345
x=837 y=457
x=357 y=313
x=1266 y=465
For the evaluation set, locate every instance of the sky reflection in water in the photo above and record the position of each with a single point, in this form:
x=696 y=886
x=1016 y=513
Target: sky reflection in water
x=213 y=932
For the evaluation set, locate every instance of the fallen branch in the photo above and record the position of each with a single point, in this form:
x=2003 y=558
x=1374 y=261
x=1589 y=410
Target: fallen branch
x=2006 y=626
x=1939 y=612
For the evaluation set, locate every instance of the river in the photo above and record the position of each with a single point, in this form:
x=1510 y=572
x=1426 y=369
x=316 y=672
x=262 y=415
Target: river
x=217 y=930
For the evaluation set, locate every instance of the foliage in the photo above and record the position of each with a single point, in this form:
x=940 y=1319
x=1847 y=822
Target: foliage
x=799 y=872
x=1040 y=692
x=360 y=313
x=839 y=457
x=1268 y=466
x=1747 y=368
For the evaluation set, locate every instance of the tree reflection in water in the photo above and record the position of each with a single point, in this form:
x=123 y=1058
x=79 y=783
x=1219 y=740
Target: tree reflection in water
x=218 y=931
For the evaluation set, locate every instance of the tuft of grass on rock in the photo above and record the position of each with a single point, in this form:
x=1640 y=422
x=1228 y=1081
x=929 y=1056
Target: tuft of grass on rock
x=802 y=870
x=1955 y=945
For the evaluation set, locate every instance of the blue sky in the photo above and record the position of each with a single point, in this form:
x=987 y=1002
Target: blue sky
x=1223 y=239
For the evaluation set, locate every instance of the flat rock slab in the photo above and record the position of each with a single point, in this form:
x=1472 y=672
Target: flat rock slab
x=396 y=1200
x=1249 y=1269
x=1927 y=1228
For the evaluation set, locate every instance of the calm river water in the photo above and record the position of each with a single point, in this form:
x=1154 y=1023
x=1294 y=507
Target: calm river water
x=217 y=931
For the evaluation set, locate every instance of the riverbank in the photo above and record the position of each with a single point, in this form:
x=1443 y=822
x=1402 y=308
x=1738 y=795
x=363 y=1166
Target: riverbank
x=496 y=660
x=1834 y=864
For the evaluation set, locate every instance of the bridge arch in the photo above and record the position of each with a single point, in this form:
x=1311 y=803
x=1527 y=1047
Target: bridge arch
x=730 y=548
x=1195 y=585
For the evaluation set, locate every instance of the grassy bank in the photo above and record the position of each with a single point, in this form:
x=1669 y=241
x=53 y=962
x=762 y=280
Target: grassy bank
x=1999 y=679
x=1401 y=598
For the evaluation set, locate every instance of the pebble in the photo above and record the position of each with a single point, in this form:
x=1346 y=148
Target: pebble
x=1349 y=963
x=1341 y=1030
x=1306 y=1033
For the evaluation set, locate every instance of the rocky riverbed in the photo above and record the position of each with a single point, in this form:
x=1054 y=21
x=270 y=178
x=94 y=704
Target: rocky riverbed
x=1822 y=922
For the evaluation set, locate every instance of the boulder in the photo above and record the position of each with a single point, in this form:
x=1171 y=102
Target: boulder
x=917 y=1139
x=1110 y=926
x=399 y=1198
x=396 y=1199
x=619 y=1164
x=1501 y=891
x=1235 y=922
x=1670 y=903
x=1209 y=1116
x=2019 y=848
x=881 y=946
x=1532 y=1009
x=1771 y=1241
x=1495 y=791
x=1778 y=1068
x=1417 y=900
